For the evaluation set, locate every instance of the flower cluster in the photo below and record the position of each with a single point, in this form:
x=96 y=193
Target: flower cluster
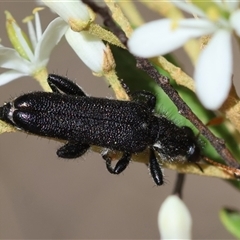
x=213 y=72
x=78 y=16
x=31 y=53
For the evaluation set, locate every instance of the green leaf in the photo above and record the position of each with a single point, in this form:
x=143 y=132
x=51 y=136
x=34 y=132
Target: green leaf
x=231 y=220
x=137 y=79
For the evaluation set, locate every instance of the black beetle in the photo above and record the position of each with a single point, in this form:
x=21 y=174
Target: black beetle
x=69 y=114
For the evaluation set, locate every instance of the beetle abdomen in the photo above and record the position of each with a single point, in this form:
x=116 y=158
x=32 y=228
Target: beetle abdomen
x=96 y=121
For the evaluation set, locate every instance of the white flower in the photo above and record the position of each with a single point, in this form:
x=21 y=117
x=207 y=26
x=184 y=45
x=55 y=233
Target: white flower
x=214 y=68
x=174 y=219
x=29 y=56
x=76 y=9
x=90 y=49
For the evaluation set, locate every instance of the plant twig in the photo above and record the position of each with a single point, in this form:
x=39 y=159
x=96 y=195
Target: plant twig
x=163 y=82
x=185 y=111
x=179 y=183
x=107 y=20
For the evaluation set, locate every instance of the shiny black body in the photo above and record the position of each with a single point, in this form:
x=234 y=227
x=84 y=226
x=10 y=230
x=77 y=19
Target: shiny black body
x=126 y=126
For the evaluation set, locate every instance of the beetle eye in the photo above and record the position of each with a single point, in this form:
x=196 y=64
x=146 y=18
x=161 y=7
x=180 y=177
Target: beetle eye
x=188 y=131
x=190 y=152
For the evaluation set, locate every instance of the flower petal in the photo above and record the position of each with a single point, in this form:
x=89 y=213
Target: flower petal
x=38 y=26
x=68 y=8
x=50 y=38
x=188 y=7
x=89 y=49
x=161 y=37
x=233 y=5
x=10 y=59
x=214 y=71
x=32 y=33
x=235 y=20
x=228 y=5
x=174 y=219
x=17 y=37
x=9 y=76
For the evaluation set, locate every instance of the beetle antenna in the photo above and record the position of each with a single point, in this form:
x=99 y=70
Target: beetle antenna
x=200 y=168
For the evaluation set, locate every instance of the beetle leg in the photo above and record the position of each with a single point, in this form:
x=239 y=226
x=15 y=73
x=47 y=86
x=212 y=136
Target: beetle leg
x=155 y=168
x=125 y=87
x=145 y=97
x=72 y=150
x=121 y=164
x=62 y=84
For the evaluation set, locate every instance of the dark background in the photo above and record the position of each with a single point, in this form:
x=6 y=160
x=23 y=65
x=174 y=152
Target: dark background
x=42 y=196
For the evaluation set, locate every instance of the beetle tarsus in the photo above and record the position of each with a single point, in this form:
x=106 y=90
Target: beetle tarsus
x=72 y=150
x=120 y=166
x=60 y=84
x=155 y=169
